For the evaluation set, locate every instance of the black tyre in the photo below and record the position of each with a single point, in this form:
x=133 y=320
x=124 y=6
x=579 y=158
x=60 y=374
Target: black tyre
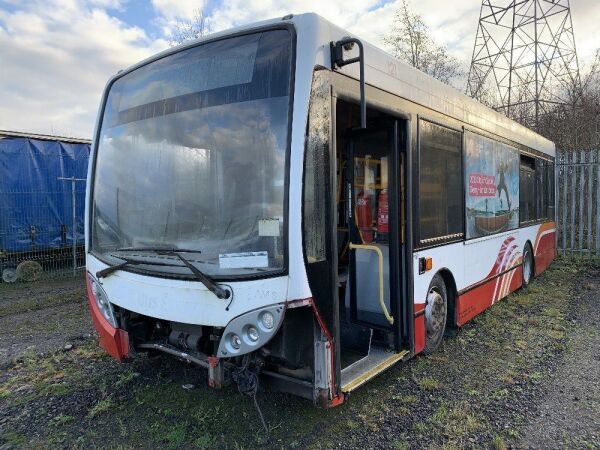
x=436 y=312
x=528 y=272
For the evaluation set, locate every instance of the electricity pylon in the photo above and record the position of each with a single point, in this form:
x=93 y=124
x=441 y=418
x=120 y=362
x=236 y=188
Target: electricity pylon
x=524 y=60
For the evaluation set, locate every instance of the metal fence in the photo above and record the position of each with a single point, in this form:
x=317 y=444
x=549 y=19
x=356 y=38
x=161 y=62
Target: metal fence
x=48 y=248
x=578 y=202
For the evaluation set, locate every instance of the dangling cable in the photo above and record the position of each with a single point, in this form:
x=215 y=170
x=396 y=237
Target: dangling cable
x=247 y=383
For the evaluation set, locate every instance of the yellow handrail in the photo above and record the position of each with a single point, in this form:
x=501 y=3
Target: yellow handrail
x=376 y=249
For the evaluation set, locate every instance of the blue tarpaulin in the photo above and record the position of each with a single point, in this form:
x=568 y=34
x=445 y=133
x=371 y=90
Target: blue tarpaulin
x=35 y=205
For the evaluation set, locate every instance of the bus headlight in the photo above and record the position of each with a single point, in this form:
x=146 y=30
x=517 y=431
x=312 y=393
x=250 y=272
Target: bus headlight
x=236 y=342
x=252 y=334
x=250 y=331
x=102 y=302
x=267 y=320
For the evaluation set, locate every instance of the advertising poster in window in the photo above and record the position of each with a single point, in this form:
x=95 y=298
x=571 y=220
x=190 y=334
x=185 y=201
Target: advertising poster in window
x=492 y=186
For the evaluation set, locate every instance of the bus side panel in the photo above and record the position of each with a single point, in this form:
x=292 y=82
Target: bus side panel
x=485 y=270
x=419 y=328
x=544 y=246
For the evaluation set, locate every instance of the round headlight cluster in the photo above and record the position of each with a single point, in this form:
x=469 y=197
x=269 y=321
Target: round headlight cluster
x=102 y=302
x=250 y=331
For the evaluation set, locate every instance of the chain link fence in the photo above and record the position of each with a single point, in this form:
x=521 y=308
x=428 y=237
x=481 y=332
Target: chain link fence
x=42 y=202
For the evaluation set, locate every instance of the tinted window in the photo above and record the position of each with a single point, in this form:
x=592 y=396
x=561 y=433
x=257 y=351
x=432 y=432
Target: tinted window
x=549 y=191
x=527 y=189
x=440 y=184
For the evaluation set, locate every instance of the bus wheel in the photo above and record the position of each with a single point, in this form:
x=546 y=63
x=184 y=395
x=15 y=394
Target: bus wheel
x=527 y=265
x=436 y=310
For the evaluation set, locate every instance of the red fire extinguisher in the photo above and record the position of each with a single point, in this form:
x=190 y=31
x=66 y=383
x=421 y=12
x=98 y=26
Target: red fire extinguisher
x=364 y=216
x=383 y=212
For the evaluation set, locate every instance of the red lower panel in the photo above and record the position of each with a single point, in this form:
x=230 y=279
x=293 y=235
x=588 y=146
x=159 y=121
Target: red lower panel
x=114 y=340
x=478 y=299
x=419 y=327
x=545 y=251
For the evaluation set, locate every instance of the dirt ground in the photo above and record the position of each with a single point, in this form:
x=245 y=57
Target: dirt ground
x=525 y=374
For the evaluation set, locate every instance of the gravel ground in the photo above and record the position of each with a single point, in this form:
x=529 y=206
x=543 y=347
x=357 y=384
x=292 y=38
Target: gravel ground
x=522 y=375
x=569 y=415
x=42 y=317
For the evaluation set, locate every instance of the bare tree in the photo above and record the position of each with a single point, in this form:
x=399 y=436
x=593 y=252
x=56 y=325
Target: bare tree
x=410 y=40
x=576 y=124
x=189 y=29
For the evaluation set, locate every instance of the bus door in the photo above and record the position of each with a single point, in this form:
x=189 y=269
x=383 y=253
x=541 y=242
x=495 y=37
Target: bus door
x=372 y=186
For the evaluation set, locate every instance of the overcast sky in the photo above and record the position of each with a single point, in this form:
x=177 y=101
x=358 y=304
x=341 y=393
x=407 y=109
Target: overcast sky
x=56 y=55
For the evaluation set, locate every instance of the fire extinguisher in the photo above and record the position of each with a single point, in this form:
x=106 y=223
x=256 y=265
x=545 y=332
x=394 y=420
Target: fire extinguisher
x=364 y=216
x=383 y=212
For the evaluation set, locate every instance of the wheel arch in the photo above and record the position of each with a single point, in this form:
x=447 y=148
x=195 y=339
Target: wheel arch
x=528 y=243
x=452 y=292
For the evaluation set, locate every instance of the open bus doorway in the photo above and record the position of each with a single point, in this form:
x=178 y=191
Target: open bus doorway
x=370 y=235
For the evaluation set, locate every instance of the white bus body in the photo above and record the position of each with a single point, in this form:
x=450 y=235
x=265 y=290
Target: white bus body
x=314 y=344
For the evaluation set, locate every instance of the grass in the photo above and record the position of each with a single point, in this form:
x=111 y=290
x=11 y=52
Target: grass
x=35 y=303
x=428 y=384
x=103 y=405
x=60 y=420
x=452 y=393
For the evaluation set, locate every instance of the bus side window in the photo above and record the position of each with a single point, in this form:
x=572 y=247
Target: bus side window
x=527 y=189
x=440 y=184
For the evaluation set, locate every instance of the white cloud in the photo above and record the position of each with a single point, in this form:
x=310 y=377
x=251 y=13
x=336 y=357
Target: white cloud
x=56 y=58
x=56 y=55
x=177 y=9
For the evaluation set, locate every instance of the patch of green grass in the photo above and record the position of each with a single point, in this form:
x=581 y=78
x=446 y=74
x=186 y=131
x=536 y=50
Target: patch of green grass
x=498 y=443
x=126 y=377
x=428 y=383
x=457 y=421
x=13 y=438
x=60 y=420
x=400 y=445
x=176 y=437
x=205 y=441
x=102 y=406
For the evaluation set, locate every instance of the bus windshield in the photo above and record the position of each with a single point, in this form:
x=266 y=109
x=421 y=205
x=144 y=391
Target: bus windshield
x=191 y=154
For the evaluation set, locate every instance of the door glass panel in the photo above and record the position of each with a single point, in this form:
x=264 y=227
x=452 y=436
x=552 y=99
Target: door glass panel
x=370 y=184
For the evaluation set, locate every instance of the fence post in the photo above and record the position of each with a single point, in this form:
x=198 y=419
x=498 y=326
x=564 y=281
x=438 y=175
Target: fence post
x=589 y=202
x=564 y=202
x=581 y=170
x=598 y=203
x=573 y=182
x=73 y=180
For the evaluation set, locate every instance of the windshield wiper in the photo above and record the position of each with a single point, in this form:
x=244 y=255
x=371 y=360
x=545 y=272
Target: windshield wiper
x=157 y=249
x=213 y=287
x=127 y=262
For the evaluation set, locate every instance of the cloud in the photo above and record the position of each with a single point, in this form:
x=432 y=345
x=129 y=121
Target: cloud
x=56 y=55
x=56 y=58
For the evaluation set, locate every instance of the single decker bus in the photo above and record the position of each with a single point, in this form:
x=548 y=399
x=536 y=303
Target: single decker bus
x=284 y=202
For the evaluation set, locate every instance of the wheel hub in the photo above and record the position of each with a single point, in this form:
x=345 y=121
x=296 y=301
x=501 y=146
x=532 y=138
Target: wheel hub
x=435 y=312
